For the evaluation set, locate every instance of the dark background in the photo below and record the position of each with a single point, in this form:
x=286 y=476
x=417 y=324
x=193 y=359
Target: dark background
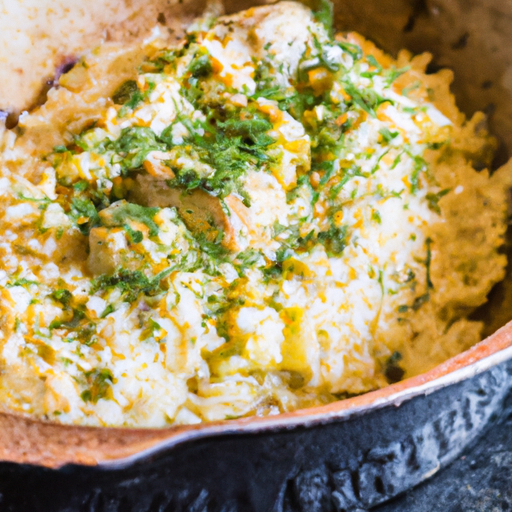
x=478 y=481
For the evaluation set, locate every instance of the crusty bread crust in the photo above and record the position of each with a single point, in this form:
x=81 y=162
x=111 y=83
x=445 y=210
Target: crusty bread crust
x=37 y=37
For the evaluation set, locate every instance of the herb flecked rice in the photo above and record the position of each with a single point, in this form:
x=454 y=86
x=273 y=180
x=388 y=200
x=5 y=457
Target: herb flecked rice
x=261 y=218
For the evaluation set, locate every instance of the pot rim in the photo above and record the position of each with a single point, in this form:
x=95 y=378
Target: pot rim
x=490 y=352
x=31 y=441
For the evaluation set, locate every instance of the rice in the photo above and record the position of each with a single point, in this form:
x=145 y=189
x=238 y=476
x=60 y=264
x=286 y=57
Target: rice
x=259 y=219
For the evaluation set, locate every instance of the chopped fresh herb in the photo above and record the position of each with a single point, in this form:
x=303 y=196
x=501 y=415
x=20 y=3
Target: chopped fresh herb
x=397 y=160
x=298 y=103
x=152 y=328
x=134 y=144
x=353 y=49
x=213 y=248
x=330 y=169
x=80 y=186
x=131 y=283
x=109 y=309
x=253 y=129
x=23 y=282
x=128 y=94
x=247 y=259
x=334 y=240
x=63 y=296
x=433 y=200
x=99 y=382
x=349 y=173
x=325 y=57
x=325 y=15
x=71 y=319
x=422 y=299
x=230 y=142
x=419 y=301
x=201 y=65
x=388 y=135
x=366 y=99
x=392 y=74
x=187 y=179
x=376 y=217
x=44 y=200
x=380 y=280
x=373 y=62
x=162 y=59
x=278 y=228
x=327 y=60
x=119 y=213
x=135 y=236
x=84 y=214
x=407 y=90
x=428 y=262
x=420 y=165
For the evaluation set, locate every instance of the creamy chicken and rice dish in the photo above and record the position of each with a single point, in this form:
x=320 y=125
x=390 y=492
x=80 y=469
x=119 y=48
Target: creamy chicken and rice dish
x=263 y=217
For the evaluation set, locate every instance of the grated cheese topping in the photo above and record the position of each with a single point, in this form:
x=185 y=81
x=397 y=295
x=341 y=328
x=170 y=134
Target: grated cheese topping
x=262 y=218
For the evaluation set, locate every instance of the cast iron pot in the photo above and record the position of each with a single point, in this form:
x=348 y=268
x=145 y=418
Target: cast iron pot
x=348 y=455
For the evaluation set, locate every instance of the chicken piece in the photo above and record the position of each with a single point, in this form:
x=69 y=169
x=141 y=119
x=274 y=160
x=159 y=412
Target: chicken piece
x=107 y=247
x=282 y=30
x=200 y=211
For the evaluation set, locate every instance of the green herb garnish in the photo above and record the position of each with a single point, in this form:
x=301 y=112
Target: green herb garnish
x=128 y=94
x=131 y=283
x=99 y=383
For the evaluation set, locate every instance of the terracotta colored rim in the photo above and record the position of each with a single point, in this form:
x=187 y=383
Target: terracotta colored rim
x=26 y=440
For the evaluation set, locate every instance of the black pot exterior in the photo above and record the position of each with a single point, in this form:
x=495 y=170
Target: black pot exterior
x=327 y=467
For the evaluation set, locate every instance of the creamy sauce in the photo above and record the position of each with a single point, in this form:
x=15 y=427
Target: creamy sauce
x=261 y=218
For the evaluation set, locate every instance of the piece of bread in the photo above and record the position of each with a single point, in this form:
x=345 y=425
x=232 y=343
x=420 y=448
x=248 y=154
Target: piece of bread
x=40 y=37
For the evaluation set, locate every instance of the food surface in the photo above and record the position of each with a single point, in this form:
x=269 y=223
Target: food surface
x=261 y=218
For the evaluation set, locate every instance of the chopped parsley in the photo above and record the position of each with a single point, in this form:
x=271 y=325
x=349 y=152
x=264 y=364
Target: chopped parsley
x=84 y=214
x=131 y=283
x=98 y=382
x=201 y=65
x=247 y=259
x=63 y=296
x=420 y=166
x=388 y=135
x=134 y=145
x=128 y=94
x=366 y=99
x=325 y=15
x=230 y=141
x=119 y=213
x=334 y=240
x=433 y=200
